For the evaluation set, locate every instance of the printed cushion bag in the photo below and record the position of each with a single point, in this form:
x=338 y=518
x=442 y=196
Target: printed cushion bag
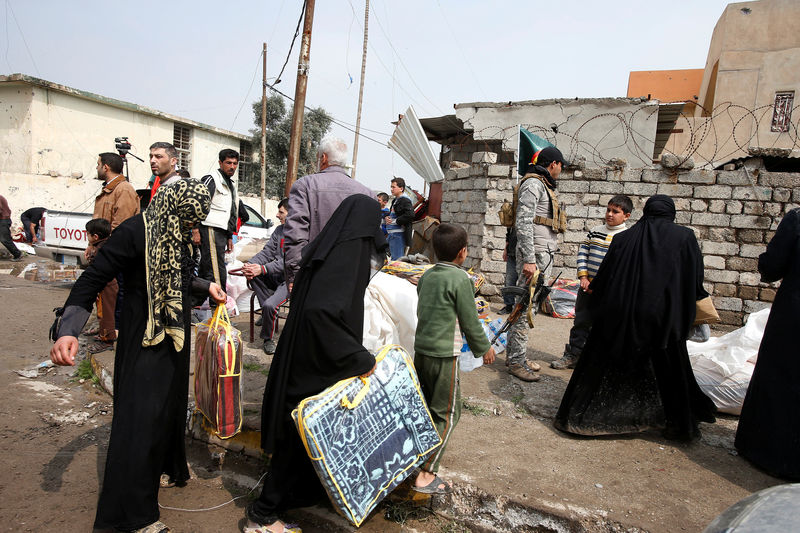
x=560 y=303
x=366 y=435
x=218 y=373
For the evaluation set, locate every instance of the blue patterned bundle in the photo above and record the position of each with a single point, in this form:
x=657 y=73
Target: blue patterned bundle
x=366 y=435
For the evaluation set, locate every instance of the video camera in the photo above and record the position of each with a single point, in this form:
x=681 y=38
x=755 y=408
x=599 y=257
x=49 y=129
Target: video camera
x=122 y=145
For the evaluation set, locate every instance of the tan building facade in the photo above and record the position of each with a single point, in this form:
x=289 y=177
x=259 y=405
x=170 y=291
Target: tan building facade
x=50 y=136
x=750 y=81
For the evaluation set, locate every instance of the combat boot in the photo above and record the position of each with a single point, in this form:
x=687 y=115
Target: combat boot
x=521 y=371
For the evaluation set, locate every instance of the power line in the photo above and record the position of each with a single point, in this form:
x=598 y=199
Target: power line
x=255 y=72
x=333 y=119
x=294 y=39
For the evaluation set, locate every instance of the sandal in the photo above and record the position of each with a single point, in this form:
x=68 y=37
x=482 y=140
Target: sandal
x=252 y=527
x=91 y=331
x=99 y=346
x=155 y=527
x=434 y=488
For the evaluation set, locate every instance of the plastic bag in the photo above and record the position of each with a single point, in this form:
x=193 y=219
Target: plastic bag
x=217 y=374
x=560 y=303
x=467 y=360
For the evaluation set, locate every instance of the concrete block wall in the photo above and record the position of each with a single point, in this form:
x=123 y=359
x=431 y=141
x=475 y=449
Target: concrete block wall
x=733 y=213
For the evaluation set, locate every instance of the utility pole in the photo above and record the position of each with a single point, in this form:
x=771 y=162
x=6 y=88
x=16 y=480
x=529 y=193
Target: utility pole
x=361 y=89
x=264 y=132
x=299 y=98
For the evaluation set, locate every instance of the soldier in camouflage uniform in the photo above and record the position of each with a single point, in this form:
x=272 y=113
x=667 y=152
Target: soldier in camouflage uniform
x=538 y=222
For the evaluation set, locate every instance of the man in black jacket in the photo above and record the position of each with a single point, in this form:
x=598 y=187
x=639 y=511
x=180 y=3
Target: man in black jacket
x=398 y=222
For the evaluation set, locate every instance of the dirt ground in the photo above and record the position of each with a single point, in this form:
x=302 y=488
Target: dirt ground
x=511 y=469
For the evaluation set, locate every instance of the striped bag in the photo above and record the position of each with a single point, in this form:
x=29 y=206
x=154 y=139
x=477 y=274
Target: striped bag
x=218 y=373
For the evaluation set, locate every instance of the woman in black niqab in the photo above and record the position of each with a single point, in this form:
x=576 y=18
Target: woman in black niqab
x=319 y=346
x=634 y=373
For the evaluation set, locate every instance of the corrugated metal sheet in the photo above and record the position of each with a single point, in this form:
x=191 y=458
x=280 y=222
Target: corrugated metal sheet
x=411 y=143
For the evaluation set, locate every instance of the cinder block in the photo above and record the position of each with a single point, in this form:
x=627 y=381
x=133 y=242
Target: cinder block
x=752 y=208
x=727 y=304
x=657 y=176
x=698 y=205
x=767 y=295
x=763 y=194
x=751 y=235
x=714 y=261
x=710 y=219
x=748 y=293
x=749 y=278
x=733 y=177
x=742 y=264
x=752 y=250
x=605 y=187
x=715 y=191
x=725 y=290
x=781 y=194
x=573 y=186
x=706 y=177
x=733 y=207
x=721 y=234
x=640 y=189
x=721 y=276
x=753 y=306
x=750 y=221
x=484 y=157
x=499 y=170
x=719 y=248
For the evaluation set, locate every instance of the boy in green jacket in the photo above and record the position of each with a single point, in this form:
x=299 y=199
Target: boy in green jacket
x=446 y=307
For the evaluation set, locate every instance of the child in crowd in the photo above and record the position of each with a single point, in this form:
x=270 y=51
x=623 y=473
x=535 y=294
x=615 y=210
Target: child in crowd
x=590 y=254
x=446 y=302
x=97 y=232
x=383 y=199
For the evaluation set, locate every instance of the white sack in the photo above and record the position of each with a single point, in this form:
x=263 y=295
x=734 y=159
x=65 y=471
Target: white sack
x=723 y=365
x=390 y=312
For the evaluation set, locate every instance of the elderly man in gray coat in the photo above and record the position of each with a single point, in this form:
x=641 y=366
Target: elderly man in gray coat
x=314 y=198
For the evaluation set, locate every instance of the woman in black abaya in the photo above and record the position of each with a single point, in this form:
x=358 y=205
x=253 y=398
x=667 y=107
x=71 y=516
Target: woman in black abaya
x=151 y=364
x=320 y=345
x=634 y=373
x=769 y=426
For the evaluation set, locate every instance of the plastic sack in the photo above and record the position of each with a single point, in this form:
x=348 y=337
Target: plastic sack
x=724 y=365
x=390 y=313
x=467 y=360
x=365 y=436
x=560 y=303
x=218 y=373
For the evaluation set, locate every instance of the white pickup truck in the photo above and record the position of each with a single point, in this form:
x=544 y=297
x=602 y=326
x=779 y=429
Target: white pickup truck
x=63 y=234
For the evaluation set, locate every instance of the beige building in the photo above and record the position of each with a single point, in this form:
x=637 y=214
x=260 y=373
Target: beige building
x=746 y=99
x=50 y=136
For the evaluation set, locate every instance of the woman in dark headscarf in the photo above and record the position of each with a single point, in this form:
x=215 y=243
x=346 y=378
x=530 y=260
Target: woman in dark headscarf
x=634 y=373
x=769 y=426
x=151 y=365
x=320 y=345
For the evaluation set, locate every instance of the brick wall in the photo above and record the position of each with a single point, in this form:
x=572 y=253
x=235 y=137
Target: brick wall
x=733 y=213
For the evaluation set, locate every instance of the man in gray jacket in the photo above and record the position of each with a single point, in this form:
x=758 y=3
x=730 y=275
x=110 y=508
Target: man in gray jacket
x=314 y=198
x=265 y=270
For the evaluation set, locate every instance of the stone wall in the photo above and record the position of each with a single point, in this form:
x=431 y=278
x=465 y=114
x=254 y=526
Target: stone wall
x=733 y=213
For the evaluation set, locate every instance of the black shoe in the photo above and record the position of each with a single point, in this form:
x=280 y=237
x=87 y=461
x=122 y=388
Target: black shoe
x=269 y=346
x=505 y=310
x=259 y=321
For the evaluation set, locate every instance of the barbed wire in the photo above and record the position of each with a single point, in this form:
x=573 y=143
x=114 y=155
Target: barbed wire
x=710 y=137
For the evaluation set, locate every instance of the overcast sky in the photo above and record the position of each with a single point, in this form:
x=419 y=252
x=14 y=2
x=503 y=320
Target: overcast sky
x=201 y=59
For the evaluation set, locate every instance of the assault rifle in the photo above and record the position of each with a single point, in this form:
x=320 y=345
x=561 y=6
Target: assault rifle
x=531 y=295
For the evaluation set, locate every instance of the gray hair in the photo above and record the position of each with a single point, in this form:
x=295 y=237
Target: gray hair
x=335 y=149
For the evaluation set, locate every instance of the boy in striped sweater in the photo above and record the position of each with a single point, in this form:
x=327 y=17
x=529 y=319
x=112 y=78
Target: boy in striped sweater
x=590 y=255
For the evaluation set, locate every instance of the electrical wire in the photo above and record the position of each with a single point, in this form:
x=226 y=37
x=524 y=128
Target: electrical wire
x=334 y=120
x=244 y=101
x=294 y=39
x=216 y=506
